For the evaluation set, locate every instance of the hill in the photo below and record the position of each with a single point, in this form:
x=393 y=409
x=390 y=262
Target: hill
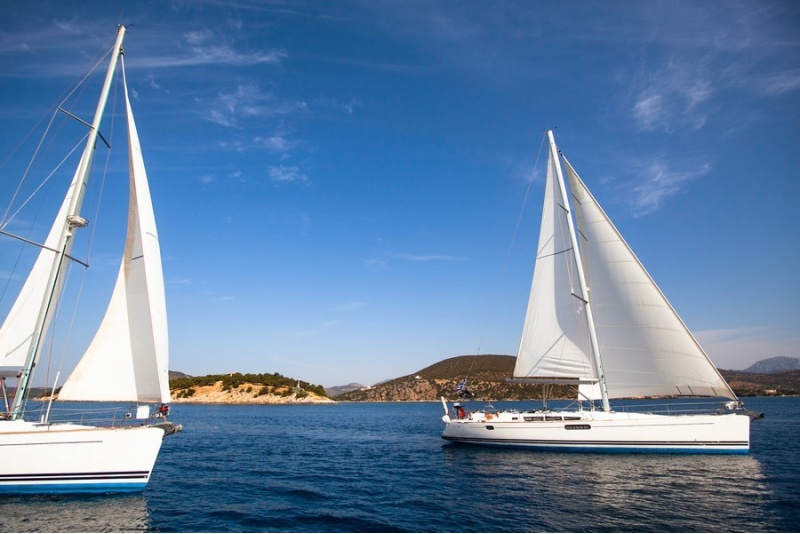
x=238 y=388
x=487 y=375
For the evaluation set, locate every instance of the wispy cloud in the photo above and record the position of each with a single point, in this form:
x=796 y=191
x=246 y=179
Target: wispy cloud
x=657 y=182
x=375 y=264
x=672 y=98
x=428 y=257
x=279 y=141
x=699 y=61
x=350 y=306
x=780 y=83
x=282 y=174
x=248 y=100
x=203 y=47
x=381 y=264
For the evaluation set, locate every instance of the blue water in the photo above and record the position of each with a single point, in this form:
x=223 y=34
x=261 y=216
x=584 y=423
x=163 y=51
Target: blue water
x=384 y=468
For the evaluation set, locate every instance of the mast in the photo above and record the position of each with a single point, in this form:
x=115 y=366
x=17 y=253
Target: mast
x=72 y=222
x=581 y=276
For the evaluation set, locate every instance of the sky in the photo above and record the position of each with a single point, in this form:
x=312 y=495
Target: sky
x=350 y=191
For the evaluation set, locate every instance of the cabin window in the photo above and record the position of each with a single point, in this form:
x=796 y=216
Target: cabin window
x=577 y=427
x=489 y=427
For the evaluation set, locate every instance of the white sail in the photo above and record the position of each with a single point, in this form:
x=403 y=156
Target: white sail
x=645 y=347
x=17 y=331
x=129 y=356
x=555 y=339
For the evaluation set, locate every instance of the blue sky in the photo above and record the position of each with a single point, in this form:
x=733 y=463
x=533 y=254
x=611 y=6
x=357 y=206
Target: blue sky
x=341 y=186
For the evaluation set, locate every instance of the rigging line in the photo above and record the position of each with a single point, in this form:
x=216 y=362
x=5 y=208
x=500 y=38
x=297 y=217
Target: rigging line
x=62 y=99
x=511 y=244
x=100 y=61
x=3 y=222
x=46 y=179
x=7 y=221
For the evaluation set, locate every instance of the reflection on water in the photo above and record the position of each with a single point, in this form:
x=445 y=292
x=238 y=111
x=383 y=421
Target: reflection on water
x=70 y=513
x=626 y=492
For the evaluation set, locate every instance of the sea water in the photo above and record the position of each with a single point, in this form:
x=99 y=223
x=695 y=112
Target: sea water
x=384 y=468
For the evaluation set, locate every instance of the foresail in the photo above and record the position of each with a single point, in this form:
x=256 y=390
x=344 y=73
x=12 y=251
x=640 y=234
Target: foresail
x=555 y=339
x=128 y=359
x=646 y=348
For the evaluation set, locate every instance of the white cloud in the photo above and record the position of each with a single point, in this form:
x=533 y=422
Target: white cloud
x=657 y=182
x=780 y=83
x=428 y=257
x=278 y=141
x=206 y=49
x=649 y=110
x=676 y=96
x=375 y=264
x=283 y=174
x=350 y=306
x=248 y=100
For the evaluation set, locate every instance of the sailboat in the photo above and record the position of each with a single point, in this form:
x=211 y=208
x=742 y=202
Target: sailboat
x=597 y=322
x=126 y=362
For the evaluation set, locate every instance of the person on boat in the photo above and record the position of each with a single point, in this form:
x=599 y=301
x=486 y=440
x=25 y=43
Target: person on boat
x=460 y=413
x=163 y=410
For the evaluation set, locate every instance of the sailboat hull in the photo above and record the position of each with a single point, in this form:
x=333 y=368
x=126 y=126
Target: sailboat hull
x=70 y=458
x=604 y=432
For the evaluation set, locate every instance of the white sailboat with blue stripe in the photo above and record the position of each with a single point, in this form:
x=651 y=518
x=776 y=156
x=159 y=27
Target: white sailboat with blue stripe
x=597 y=321
x=127 y=361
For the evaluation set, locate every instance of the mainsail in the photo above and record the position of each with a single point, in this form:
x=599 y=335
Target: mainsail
x=644 y=347
x=129 y=356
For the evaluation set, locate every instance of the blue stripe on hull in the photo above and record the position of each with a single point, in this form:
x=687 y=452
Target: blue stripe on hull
x=57 y=488
x=106 y=482
x=653 y=447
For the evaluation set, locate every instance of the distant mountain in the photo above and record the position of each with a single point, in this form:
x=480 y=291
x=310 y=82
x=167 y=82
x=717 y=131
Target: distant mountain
x=333 y=391
x=774 y=365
